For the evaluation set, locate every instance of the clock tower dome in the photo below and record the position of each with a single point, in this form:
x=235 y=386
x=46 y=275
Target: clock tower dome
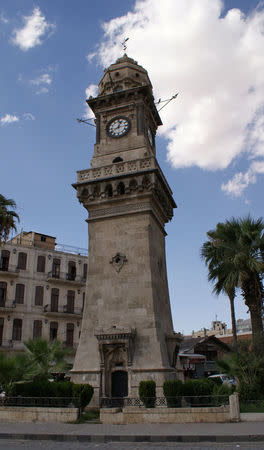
x=127 y=333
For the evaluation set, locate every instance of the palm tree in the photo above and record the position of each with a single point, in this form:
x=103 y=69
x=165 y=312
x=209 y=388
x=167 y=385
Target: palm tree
x=7 y=218
x=235 y=258
x=47 y=357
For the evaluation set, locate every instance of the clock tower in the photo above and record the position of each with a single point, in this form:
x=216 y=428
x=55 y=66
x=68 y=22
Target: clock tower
x=127 y=332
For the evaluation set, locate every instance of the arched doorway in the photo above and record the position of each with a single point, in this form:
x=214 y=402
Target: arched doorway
x=119 y=383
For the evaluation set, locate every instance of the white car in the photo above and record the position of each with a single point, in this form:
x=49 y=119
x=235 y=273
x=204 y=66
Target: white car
x=225 y=379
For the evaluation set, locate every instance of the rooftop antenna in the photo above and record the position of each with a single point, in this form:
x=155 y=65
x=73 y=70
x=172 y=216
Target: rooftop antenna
x=166 y=101
x=124 y=44
x=86 y=121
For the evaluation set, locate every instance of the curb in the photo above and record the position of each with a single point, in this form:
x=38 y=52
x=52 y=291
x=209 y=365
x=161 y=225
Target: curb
x=132 y=438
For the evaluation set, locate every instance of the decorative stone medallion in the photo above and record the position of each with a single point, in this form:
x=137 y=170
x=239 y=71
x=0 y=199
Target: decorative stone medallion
x=118 y=261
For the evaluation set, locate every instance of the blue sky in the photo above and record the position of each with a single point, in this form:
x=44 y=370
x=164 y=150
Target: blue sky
x=211 y=145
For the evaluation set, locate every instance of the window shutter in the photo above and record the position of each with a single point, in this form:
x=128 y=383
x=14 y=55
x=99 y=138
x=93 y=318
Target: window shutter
x=41 y=263
x=20 y=292
x=39 y=293
x=22 y=261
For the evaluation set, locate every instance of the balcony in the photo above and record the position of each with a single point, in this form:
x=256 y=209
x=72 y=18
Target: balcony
x=63 y=311
x=66 y=278
x=8 y=271
x=7 y=306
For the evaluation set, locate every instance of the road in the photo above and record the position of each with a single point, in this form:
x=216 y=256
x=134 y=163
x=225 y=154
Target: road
x=8 y=444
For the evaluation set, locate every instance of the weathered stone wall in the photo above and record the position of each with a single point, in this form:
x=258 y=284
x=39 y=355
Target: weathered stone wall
x=165 y=415
x=14 y=414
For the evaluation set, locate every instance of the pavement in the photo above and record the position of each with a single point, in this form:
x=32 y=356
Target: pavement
x=88 y=432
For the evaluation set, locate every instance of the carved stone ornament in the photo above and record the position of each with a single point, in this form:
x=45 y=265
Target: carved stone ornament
x=118 y=261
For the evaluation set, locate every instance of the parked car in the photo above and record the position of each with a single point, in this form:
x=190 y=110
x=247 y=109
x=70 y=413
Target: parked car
x=224 y=378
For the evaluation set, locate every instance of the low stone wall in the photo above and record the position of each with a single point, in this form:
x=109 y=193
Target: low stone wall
x=164 y=415
x=13 y=414
x=130 y=414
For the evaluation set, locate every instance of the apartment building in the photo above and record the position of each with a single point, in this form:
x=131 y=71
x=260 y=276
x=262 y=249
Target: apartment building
x=42 y=291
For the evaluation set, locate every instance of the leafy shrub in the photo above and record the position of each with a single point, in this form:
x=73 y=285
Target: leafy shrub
x=172 y=390
x=147 y=393
x=82 y=394
x=43 y=389
x=200 y=387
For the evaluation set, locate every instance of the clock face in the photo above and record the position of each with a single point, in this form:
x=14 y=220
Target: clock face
x=150 y=137
x=118 y=127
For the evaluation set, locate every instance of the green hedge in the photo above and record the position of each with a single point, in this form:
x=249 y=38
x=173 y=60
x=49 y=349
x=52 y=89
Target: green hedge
x=172 y=390
x=200 y=390
x=82 y=394
x=147 y=393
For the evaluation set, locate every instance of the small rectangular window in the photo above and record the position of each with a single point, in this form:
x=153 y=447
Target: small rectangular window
x=69 y=334
x=39 y=293
x=37 y=329
x=17 y=330
x=53 y=330
x=20 y=292
x=43 y=238
x=41 y=263
x=3 y=288
x=54 y=300
x=84 y=271
x=22 y=261
x=70 y=301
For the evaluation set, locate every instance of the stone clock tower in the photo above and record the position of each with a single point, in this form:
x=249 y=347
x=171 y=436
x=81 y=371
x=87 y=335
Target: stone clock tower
x=127 y=332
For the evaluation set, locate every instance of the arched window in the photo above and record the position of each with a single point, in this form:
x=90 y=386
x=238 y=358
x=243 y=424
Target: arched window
x=133 y=184
x=120 y=188
x=109 y=190
x=146 y=182
x=117 y=159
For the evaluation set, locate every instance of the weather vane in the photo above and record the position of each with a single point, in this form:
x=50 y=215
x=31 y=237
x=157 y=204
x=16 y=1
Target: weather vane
x=166 y=101
x=124 y=44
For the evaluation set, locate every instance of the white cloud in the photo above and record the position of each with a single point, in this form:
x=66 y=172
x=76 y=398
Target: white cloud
x=236 y=186
x=91 y=91
x=28 y=116
x=45 y=78
x=35 y=28
x=42 y=82
x=3 y=19
x=215 y=62
x=8 y=118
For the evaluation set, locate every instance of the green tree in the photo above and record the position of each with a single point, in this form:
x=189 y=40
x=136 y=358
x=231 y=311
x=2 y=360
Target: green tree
x=8 y=218
x=246 y=364
x=14 y=368
x=234 y=255
x=47 y=357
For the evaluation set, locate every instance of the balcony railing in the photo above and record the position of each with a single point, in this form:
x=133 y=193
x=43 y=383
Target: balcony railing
x=7 y=305
x=66 y=276
x=64 y=309
x=9 y=270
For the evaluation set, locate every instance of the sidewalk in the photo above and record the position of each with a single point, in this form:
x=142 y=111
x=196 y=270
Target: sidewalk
x=189 y=432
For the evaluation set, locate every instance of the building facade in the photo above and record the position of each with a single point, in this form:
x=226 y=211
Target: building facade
x=127 y=332
x=42 y=290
